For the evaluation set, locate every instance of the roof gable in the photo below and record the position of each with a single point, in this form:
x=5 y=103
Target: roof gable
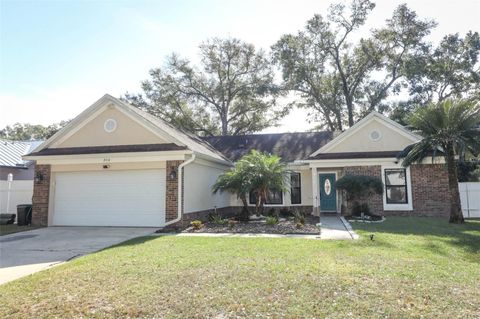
x=374 y=133
x=128 y=131
x=152 y=130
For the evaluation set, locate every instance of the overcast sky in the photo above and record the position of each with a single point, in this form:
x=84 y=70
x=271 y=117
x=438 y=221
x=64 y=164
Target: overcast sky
x=59 y=57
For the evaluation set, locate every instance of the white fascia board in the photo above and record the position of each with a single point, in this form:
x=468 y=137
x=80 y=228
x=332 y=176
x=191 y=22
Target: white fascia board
x=202 y=160
x=79 y=125
x=93 y=111
x=351 y=162
x=297 y=166
x=111 y=157
x=152 y=127
x=213 y=159
x=72 y=124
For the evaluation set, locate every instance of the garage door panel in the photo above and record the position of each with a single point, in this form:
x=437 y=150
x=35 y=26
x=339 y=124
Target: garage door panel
x=110 y=198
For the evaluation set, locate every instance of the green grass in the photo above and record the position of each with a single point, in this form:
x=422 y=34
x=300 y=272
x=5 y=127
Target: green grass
x=10 y=229
x=414 y=268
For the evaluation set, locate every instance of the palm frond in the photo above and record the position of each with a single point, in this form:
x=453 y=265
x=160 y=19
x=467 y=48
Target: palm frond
x=454 y=123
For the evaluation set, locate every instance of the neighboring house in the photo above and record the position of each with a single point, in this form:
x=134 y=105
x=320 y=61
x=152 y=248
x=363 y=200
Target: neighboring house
x=115 y=165
x=11 y=162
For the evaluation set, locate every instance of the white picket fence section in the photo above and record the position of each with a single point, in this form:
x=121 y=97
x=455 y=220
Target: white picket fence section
x=20 y=193
x=470 y=199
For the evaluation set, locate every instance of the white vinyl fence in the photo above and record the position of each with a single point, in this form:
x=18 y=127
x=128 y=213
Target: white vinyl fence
x=20 y=193
x=470 y=199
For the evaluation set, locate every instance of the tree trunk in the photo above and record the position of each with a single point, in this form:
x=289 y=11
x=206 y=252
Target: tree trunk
x=224 y=126
x=257 y=204
x=245 y=214
x=456 y=215
x=350 y=112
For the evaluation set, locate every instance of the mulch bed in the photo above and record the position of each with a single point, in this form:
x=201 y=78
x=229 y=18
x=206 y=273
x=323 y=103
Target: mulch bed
x=284 y=226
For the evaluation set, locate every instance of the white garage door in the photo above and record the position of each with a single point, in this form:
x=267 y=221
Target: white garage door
x=110 y=198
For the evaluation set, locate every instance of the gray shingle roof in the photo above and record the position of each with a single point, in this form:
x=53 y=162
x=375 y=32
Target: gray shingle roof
x=289 y=146
x=11 y=152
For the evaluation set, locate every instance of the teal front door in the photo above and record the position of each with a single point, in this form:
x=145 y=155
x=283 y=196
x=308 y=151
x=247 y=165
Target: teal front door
x=328 y=193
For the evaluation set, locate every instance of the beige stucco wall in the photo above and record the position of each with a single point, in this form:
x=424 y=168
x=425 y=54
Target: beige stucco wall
x=360 y=141
x=306 y=182
x=127 y=132
x=198 y=181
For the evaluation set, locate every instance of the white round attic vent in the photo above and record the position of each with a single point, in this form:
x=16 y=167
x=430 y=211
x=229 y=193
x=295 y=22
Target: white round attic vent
x=375 y=135
x=110 y=125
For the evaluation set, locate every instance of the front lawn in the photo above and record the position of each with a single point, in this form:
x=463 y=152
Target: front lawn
x=13 y=228
x=414 y=268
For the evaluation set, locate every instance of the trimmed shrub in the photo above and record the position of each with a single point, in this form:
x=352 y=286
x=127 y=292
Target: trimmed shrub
x=360 y=185
x=359 y=189
x=359 y=208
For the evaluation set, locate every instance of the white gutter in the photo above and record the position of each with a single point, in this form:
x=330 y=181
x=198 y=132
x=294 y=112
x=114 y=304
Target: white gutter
x=179 y=197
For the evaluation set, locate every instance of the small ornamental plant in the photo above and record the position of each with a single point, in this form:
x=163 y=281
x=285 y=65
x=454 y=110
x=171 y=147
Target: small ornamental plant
x=232 y=223
x=196 y=224
x=299 y=218
x=271 y=220
x=219 y=220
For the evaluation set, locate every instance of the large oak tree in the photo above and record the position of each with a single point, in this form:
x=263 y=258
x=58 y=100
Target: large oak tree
x=230 y=92
x=341 y=79
x=449 y=70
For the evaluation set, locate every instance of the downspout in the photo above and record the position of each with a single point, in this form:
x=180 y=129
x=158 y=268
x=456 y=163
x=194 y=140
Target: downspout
x=180 y=186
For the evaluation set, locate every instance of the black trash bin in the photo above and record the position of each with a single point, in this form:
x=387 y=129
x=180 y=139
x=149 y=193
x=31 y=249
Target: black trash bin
x=24 y=214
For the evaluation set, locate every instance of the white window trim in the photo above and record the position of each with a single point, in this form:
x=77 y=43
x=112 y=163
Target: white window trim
x=395 y=207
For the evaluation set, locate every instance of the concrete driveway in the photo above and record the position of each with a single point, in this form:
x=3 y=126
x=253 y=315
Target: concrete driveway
x=27 y=252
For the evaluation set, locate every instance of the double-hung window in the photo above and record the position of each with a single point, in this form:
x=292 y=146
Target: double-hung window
x=296 y=189
x=396 y=186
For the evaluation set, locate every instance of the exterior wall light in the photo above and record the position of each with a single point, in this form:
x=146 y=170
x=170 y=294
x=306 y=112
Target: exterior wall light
x=38 y=178
x=173 y=173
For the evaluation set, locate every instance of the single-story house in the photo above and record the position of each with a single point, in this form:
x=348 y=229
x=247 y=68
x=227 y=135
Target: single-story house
x=115 y=165
x=20 y=190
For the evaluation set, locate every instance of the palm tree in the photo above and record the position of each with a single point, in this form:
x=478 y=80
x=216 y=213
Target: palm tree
x=266 y=172
x=235 y=181
x=449 y=128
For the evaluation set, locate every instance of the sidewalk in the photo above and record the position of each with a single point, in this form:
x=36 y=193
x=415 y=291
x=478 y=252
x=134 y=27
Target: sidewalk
x=336 y=227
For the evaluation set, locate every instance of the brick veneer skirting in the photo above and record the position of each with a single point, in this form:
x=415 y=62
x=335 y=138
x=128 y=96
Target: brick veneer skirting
x=41 y=193
x=431 y=196
x=171 y=196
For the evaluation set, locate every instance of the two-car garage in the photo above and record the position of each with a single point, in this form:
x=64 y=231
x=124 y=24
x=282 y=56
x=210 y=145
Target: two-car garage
x=109 y=198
